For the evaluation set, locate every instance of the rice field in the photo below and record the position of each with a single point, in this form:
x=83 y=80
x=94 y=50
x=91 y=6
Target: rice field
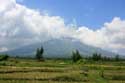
x=61 y=71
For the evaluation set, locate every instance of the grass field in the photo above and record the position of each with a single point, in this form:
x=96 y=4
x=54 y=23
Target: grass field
x=61 y=71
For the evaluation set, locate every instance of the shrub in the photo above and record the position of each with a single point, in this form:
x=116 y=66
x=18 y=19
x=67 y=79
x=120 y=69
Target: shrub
x=4 y=57
x=118 y=77
x=102 y=73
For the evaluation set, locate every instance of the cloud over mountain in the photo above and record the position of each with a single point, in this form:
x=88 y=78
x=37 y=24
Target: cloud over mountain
x=20 y=26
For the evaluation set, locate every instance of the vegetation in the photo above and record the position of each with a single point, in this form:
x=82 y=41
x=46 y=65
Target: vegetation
x=117 y=58
x=61 y=71
x=4 y=57
x=76 y=56
x=39 y=54
x=99 y=57
x=96 y=57
x=94 y=69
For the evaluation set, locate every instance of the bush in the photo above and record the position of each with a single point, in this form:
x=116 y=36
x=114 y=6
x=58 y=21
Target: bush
x=118 y=77
x=3 y=64
x=4 y=57
x=102 y=73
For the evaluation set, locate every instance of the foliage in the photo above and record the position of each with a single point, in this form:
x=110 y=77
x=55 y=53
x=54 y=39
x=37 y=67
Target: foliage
x=52 y=71
x=39 y=54
x=117 y=58
x=102 y=73
x=76 y=56
x=96 y=57
x=4 y=57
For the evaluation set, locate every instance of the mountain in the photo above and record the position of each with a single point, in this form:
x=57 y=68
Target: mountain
x=59 y=48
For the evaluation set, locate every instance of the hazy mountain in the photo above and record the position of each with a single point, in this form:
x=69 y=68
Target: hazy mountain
x=59 y=48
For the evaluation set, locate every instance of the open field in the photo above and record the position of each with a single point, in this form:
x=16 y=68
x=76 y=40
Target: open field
x=61 y=71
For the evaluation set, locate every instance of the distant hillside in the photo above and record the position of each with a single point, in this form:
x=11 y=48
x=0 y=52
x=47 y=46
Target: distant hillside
x=59 y=48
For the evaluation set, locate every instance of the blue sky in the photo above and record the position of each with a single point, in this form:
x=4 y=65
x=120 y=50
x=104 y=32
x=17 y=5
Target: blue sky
x=90 y=13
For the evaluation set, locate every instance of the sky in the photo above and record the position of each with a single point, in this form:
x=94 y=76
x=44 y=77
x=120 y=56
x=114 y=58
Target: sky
x=90 y=13
x=99 y=23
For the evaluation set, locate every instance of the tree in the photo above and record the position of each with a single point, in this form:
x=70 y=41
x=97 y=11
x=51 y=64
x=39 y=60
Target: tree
x=96 y=57
x=4 y=57
x=76 y=56
x=117 y=58
x=41 y=50
x=39 y=54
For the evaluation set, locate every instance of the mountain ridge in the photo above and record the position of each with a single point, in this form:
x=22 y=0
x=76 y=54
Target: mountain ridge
x=59 y=48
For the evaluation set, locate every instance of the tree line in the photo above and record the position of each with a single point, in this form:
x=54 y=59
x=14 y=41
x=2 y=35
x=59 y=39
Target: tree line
x=76 y=56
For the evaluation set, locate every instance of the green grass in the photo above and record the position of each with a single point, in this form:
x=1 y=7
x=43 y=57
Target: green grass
x=61 y=71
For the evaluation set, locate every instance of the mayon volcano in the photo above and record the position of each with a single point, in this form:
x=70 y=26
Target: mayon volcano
x=59 y=48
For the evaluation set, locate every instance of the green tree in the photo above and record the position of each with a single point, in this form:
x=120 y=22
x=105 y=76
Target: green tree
x=4 y=57
x=96 y=57
x=76 y=56
x=39 y=54
x=117 y=58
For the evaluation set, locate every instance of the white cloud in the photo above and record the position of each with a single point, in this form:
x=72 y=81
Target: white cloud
x=20 y=25
x=110 y=36
x=2 y=49
x=6 y=4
